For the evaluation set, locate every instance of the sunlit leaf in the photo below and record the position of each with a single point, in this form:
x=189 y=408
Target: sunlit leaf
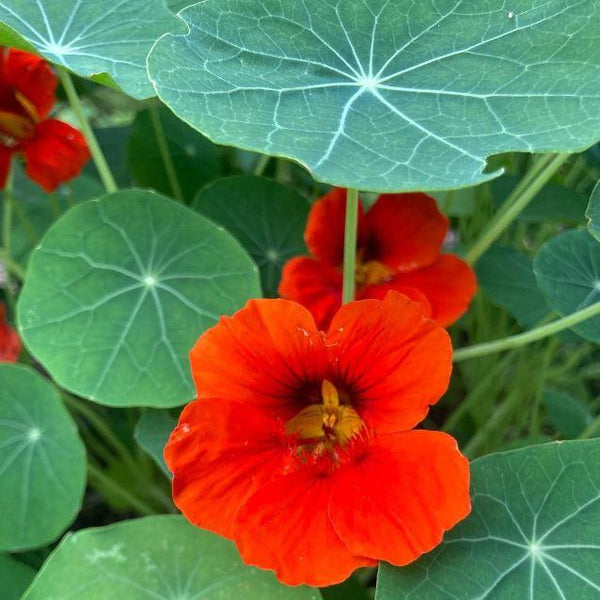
x=533 y=533
x=156 y=557
x=42 y=461
x=119 y=291
x=387 y=94
x=91 y=38
x=14 y=577
x=265 y=216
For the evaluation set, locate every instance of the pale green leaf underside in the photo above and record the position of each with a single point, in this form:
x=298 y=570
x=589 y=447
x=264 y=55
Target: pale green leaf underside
x=90 y=37
x=567 y=269
x=533 y=533
x=42 y=461
x=156 y=558
x=119 y=291
x=387 y=95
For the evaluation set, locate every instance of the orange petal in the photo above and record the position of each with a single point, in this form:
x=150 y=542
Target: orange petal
x=324 y=233
x=315 y=285
x=265 y=356
x=407 y=231
x=397 y=502
x=220 y=453
x=285 y=527
x=449 y=284
x=393 y=361
x=379 y=292
x=55 y=154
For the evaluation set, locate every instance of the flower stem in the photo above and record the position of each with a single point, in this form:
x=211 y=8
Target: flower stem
x=99 y=160
x=522 y=195
x=165 y=154
x=350 y=245
x=261 y=164
x=539 y=333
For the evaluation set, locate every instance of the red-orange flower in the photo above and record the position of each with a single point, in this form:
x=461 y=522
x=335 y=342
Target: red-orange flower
x=54 y=151
x=399 y=244
x=299 y=446
x=10 y=344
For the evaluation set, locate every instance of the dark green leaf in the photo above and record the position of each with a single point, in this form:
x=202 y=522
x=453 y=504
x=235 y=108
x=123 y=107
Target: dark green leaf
x=568 y=416
x=14 y=577
x=42 y=461
x=119 y=291
x=507 y=277
x=265 y=216
x=593 y=213
x=157 y=557
x=533 y=533
x=152 y=433
x=113 y=141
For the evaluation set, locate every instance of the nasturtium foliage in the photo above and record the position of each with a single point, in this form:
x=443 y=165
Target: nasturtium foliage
x=15 y=577
x=506 y=276
x=386 y=95
x=42 y=461
x=593 y=213
x=106 y=42
x=568 y=416
x=156 y=557
x=195 y=159
x=120 y=289
x=533 y=532
x=265 y=216
x=152 y=434
x=567 y=269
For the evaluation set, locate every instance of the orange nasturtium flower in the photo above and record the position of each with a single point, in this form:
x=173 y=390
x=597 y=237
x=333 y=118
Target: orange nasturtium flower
x=300 y=445
x=399 y=244
x=10 y=343
x=54 y=151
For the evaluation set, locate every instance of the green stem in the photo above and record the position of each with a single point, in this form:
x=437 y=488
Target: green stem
x=26 y=223
x=55 y=205
x=7 y=234
x=539 y=333
x=541 y=173
x=113 y=487
x=350 y=233
x=165 y=154
x=261 y=164
x=11 y=266
x=101 y=164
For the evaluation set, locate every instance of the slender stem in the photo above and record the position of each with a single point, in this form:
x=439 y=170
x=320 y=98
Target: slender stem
x=165 y=154
x=26 y=223
x=7 y=235
x=350 y=245
x=261 y=164
x=55 y=205
x=11 y=266
x=539 y=333
x=516 y=203
x=110 y=485
x=101 y=164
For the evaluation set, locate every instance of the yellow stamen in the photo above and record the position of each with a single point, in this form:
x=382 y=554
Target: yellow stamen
x=28 y=106
x=371 y=273
x=15 y=126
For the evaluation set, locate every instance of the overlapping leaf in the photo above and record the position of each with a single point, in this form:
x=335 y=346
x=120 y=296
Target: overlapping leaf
x=387 y=94
x=152 y=433
x=120 y=289
x=90 y=38
x=14 y=577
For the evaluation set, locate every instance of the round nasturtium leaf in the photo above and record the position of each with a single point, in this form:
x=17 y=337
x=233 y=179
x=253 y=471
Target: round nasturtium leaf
x=15 y=577
x=156 y=557
x=120 y=289
x=386 y=95
x=593 y=213
x=106 y=42
x=533 y=533
x=567 y=269
x=42 y=461
x=265 y=216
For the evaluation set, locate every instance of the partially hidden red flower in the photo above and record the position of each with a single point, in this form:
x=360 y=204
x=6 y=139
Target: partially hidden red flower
x=300 y=445
x=399 y=243
x=54 y=151
x=10 y=343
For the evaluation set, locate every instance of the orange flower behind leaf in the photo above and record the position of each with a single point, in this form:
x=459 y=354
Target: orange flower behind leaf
x=54 y=151
x=300 y=445
x=10 y=343
x=398 y=248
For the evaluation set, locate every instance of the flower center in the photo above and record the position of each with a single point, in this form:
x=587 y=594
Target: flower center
x=370 y=273
x=327 y=423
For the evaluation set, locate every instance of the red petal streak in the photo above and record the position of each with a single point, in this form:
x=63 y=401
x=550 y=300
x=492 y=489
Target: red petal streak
x=10 y=343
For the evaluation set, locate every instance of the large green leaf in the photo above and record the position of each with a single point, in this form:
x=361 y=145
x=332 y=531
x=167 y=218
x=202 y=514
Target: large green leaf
x=387 y=94
x=265 y=216
x=593 y=212
x=507 y=277
x=567 y=269
x=14 y=577
x=533 y=533
x=42 y=461
x=152 y=434
x=91 y=38
x=194 y=158
x=154 y=558
x=120 y=289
